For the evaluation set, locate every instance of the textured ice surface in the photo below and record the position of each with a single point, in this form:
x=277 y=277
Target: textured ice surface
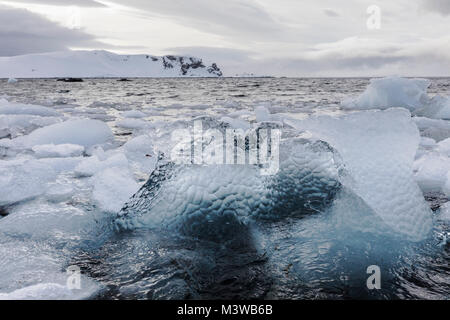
x=378 y=149
x=215 y=202
x=391 y=92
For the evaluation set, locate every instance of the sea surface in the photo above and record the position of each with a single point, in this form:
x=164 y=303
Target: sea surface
x=295 y=258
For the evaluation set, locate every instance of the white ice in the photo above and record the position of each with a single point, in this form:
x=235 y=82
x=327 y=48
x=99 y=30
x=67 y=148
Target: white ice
x=83 y=132
x=112 y=188
x=58 y=151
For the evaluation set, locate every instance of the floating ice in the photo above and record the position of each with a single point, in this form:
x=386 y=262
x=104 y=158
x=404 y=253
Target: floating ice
x=12 y=126
x=133 y=114
x=262 y=114
x=391 y=92
x=81 y=132
x=92 y=165
x=431 y=171
x=432 y=128
x=445 y=212
x=12 y=80
x=22 y=180
x=139 y=151
x=378 y=149
x=112 y=188
x=58 y=151
x=411 y=94
x=129 y=123
x=215 y=202
x=19 y=108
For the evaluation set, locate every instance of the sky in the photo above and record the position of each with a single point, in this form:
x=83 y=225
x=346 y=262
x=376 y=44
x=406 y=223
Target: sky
x=264 y=37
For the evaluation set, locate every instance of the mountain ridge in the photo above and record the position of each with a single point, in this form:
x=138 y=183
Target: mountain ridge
x=103 y=64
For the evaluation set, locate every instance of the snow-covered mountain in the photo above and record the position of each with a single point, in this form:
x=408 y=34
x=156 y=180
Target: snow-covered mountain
x=84 y=64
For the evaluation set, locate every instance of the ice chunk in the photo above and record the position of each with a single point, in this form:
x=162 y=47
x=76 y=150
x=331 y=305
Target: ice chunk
x=215 y=201
x=444 y=147
x=59 y=192
x=12 y=80
x=23 y=180
x=133 y=114
x=262 y=114
x=112 y=188
x=19 y=108
x=48 y=291
x=436 y=129
x=133 y=124
x=82 y=132
x=378 y=150
x=437 y=108
x=58 y=151
x=445 y=212
x=446 y=188
x=236 y=123
x=139 y=151
x=15 y=125
x=431 y=171
x=390 y=92
x=90 y=166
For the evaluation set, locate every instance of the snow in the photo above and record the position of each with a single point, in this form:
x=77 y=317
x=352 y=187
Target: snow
x=112 y=188
x=378 y=149
x=97 y=64
x=58 y=151
x=81 y=132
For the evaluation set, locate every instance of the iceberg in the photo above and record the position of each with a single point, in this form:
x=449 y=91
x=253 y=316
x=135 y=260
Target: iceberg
x=391 y=92
x=411 y=94
x=378 y=149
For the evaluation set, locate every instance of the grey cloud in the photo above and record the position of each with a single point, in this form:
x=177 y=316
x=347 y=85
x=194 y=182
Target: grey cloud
x=439 y=6
x=331 y=13
x=81 y=3
x=237 y=18
x=23 y=32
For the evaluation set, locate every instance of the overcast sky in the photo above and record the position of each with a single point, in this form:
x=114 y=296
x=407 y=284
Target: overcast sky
x=266 y=37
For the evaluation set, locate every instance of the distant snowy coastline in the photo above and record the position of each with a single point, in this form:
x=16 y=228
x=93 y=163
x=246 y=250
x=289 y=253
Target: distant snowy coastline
x=103 y=64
